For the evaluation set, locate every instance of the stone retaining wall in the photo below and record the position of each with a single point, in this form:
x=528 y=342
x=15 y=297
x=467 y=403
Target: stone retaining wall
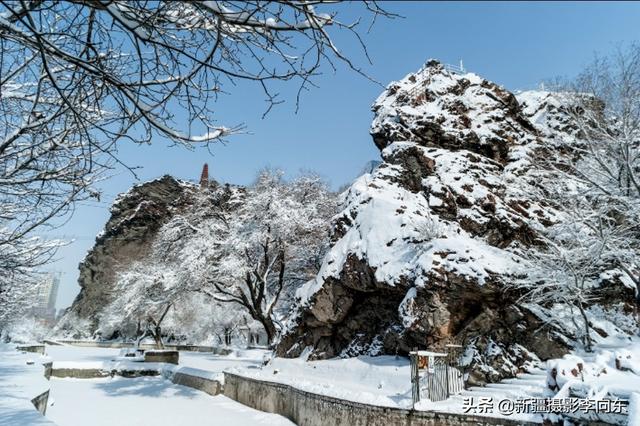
x=310 y=409
x=40 y=402
x=120 y=345
x=210 y=386
x=38 y=349
x=78 y=373
x=96 y=373
x=170 y=357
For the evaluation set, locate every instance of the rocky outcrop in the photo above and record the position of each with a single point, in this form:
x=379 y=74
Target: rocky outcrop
x=428 y=244
x=136 y=218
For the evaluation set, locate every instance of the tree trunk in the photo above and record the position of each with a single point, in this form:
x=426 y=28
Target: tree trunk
x=588 y=343
x=140 y=337
x=157 y=330
x=157 y=336
x=138 y=333
x=269 y=328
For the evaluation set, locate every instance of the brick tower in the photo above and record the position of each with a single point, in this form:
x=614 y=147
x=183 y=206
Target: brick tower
x=204 y=177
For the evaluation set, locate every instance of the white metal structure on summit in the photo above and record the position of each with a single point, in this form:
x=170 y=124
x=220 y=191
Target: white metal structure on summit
x=414 y=90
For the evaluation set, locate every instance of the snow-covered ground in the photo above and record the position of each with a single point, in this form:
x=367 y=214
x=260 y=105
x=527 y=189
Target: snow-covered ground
x=140 y=401
x=385 y=380
x=249 y=358
x=21 y=379
x=69 y=353
x=382 y=380
x=146 y=401
x=67 y=356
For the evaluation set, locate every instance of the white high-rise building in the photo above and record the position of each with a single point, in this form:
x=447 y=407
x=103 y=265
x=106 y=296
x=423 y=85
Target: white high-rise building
x=45 y=303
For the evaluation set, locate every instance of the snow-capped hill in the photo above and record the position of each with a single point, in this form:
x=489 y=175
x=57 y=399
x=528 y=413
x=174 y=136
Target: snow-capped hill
x=136 y=218
x=429 y=243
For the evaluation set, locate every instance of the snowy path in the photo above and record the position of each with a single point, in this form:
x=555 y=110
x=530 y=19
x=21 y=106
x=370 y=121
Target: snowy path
x=123 y=401
x=76 y=353
x=19 y=383
x=146 y=401
x=251 y=358
x=214 y=364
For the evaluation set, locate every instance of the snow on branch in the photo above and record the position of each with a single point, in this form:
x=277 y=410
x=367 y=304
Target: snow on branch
x=79 y=77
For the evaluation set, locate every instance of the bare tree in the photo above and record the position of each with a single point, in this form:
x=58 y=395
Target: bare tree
x=77 y=77
x=607 y=113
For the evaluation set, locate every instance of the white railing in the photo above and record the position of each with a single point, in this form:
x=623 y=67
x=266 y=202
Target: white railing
x=414 y=90
x=456 y=69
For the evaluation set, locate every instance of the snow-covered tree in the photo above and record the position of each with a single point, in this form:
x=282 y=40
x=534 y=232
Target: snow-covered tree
x=592 y=182
x=26 y=330
x=146 y=294
x=578 y=253
x=19 y=277
x=607 y=97
x=17 y=296
x=159 y=296
x=198 y=319
x=79 y=77
x=72 y=326
x=231 y=257
x=605 y=162
x=274 y=242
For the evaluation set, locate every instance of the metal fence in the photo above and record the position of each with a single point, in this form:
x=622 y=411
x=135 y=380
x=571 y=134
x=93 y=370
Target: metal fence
x=438 y=380
x=436 y=376
x=456 y=69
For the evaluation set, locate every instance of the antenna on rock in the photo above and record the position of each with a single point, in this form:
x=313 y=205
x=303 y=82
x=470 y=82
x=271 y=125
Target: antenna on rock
x=204 y=177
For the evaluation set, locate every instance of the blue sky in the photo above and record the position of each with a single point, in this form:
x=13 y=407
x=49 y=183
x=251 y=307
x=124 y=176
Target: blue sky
x=517 y=45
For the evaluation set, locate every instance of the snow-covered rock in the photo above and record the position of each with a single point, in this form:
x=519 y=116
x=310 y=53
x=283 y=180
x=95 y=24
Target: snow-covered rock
x=137 y=217
x=429 y=242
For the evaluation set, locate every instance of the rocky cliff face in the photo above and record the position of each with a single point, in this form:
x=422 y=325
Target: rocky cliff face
x=428 y=243
x=136 y=217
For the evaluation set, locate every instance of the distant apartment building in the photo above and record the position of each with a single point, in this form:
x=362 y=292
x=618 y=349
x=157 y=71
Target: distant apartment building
x=45 y=304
